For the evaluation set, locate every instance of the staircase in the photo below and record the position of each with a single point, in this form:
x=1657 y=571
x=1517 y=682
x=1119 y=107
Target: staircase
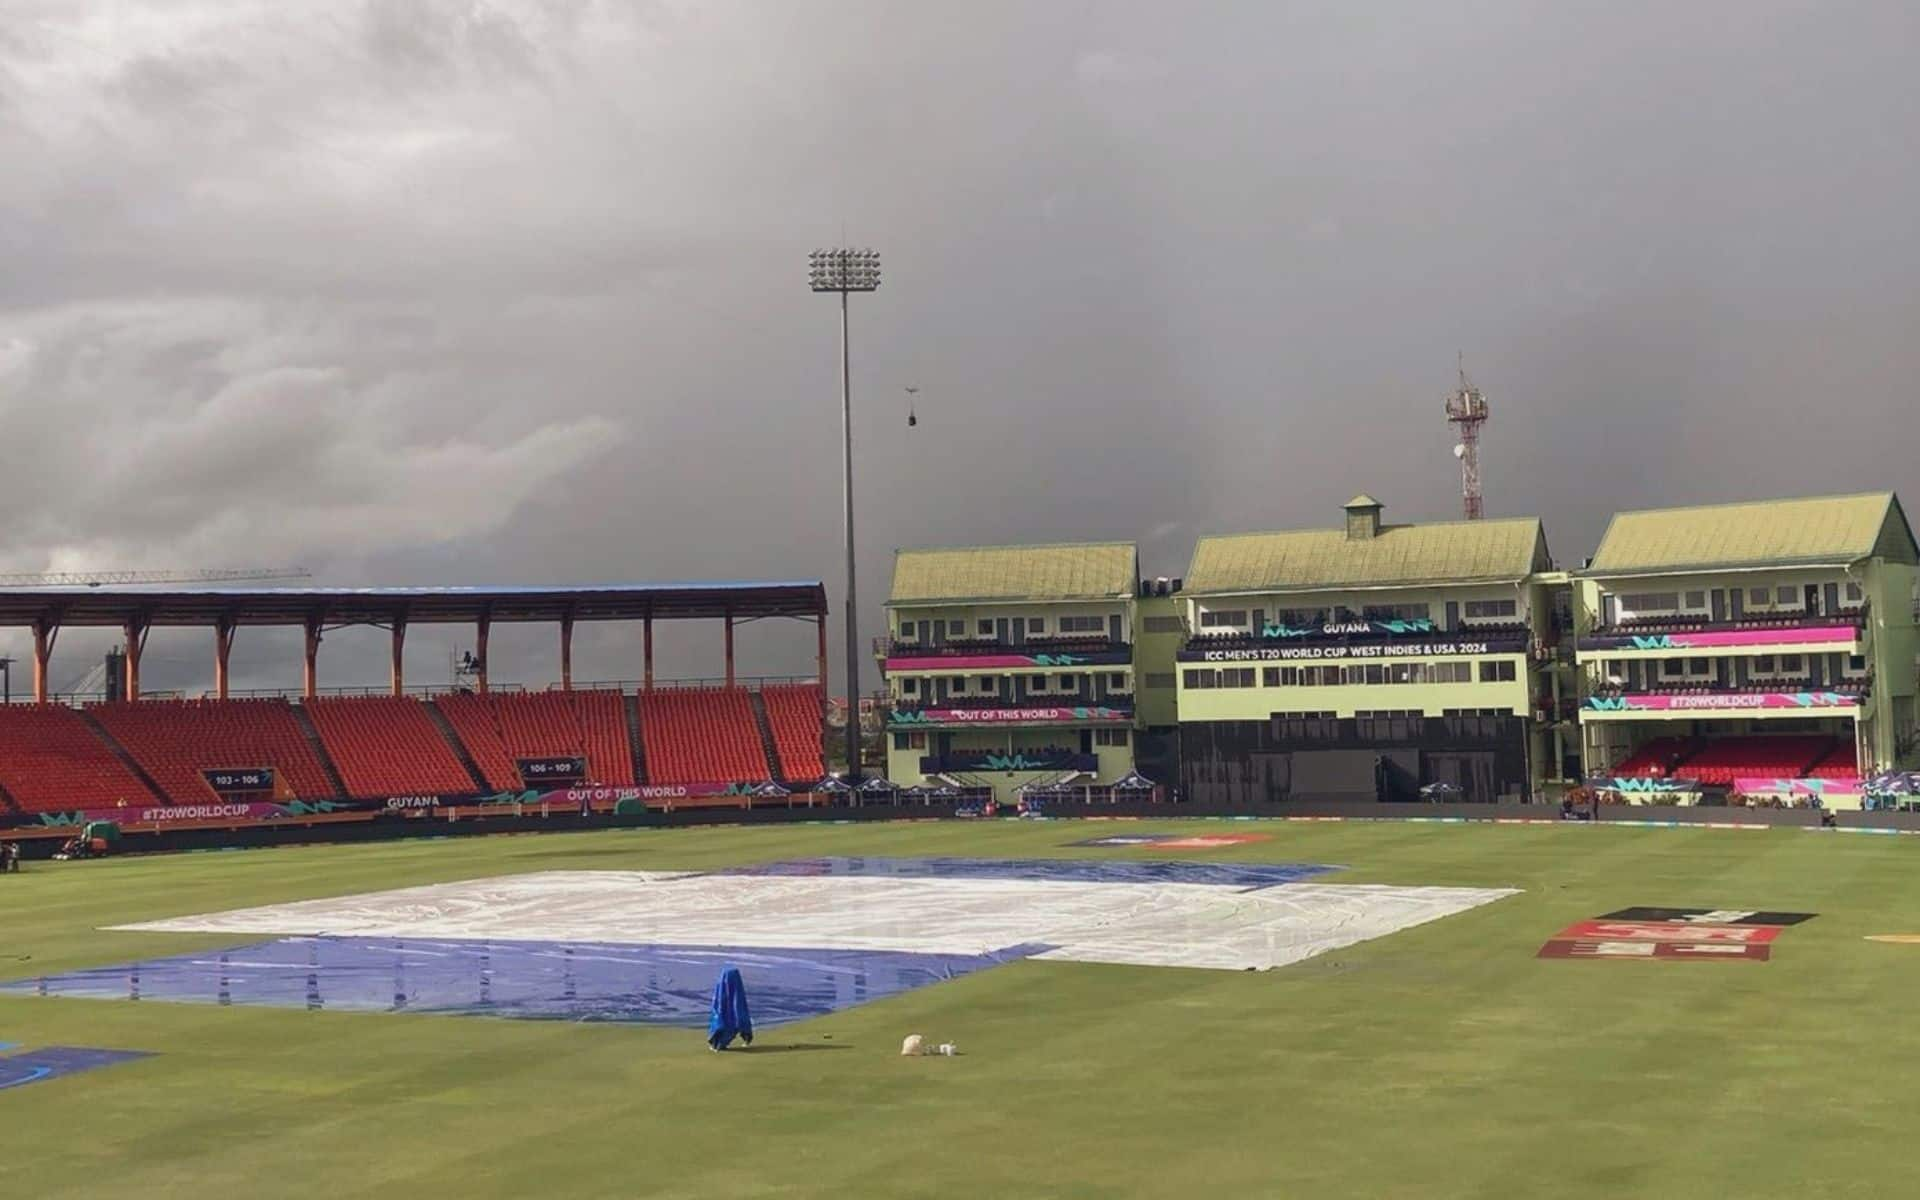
x=120 y=752
x=632 y=704
x=765 y=727
x=440 y=722
x=305 y=721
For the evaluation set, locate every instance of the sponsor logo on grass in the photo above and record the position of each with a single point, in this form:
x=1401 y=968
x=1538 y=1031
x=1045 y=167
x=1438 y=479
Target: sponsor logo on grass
x=38 y=1066
x=1686 y=934
x=1175 y=841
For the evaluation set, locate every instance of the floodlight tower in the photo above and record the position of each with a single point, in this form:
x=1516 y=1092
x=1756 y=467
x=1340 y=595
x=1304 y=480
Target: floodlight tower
x=1467 y=411
x=845 y=270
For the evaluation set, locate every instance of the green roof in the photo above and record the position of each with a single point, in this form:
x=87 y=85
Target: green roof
x=1758 y=534
x=1398 y=556
x=1073 y=571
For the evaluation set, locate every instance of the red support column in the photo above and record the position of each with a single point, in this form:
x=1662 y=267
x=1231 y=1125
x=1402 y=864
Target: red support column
x=646 y=644
x=729 y=649
x=310 y=675
x=397 y=673
x=45 y=633
x=481 y=631
x=136 y=631
x=566 y=653
x=223 y=628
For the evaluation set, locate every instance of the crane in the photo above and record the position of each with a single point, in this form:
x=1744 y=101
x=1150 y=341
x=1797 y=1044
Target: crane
x=28 y=579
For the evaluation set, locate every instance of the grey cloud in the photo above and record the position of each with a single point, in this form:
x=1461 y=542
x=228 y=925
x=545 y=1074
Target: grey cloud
x=513 y=291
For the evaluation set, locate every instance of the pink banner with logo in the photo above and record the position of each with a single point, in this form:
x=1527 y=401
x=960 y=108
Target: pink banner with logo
x=1721 y=701
x=1769 y=785
x=1091 y=714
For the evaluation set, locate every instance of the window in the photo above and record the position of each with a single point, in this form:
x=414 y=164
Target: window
x=1791 y=664
x=1160 y=679
x=1651 y=602
x=1763 y=664
x=900 y=741
x=957 y=683
x=1395 y=725
x=1117 y=681
x=1855 y=594
x=1068 y=683
x=1787 y=596
x=1697 y=600
x=1082 y=624
x=917 y=741
x=1496 y=672
x=1759 y=597
x=1856 y=664
x=909 y=687
x=909 y=631
x=1036 y=624
x=1373 y=673
x=988 y=684
x=1306 y=726
x=1236 y=677
x=1163 y=625
x=1451 y=672
x=1197 y=678
x=1396 y=612
x=1405 y=673
x=1110 y=737
x=1699 y=668
x=1269 y=676
x=1486 y=610
x=1231 y=618
x=985 y=627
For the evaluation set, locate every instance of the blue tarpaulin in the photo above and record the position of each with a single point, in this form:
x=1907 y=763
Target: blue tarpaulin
x=730 y=1017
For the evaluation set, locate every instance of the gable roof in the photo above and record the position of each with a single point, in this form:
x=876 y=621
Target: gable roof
x=1820 y=530
x=1067 y=571
x=1445 y=552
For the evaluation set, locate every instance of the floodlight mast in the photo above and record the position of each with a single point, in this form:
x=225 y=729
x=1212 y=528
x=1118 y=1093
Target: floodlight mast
x=846 y=270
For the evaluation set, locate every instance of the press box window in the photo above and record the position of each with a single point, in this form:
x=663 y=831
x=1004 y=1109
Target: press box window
x=1696 y=600
x=985 y=628
x=1109 y=737
x=1036 y=624
x=909 y=687
x=1854 y=593
x=1496 y=672
x=987 y=684
x=1116 y=682
x=1233 y=618
x=1236 y=677
x=909 y=631
x=1482 y=610
x=1198 y=679
x=1082 y=624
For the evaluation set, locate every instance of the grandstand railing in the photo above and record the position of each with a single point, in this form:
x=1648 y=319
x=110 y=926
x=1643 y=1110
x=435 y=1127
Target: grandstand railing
x=887 y=647
x=1515 y=636
x=1856 y=617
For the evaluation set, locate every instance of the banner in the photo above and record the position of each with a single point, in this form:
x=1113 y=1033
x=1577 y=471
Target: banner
x=1621 y=783
x=223 y=812
x=1824 y=635
x=1720 y=701
x=1749 y=785
x=1094 y=714
x=1348 y=629
x=1371 y=650
x=1006 y=662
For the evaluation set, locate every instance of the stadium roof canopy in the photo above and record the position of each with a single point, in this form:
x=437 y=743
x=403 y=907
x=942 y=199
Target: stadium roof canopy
x=1818 y=531
x=966 y=574
x=418 y=605
x=1302 y=560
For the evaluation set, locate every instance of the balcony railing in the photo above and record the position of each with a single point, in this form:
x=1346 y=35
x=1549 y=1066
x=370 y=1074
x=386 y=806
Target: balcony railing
x=1051 y=759
x=886 y=647
x=1681 y=623
x=1359 y=633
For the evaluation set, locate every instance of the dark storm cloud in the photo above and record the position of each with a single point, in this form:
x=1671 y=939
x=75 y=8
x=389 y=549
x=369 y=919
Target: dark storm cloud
x=513 y=291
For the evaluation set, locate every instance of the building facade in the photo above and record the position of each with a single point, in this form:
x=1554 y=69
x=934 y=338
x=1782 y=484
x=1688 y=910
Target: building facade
x=1369 y=661
x=1764 y=648
x=1011 y=666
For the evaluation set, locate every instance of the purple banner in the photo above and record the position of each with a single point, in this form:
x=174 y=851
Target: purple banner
x=1098 y=714
x=1706 y=639
x=1727 y=701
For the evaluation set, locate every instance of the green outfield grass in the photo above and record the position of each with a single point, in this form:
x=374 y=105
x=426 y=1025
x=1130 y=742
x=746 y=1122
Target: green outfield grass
x=1444 y=1061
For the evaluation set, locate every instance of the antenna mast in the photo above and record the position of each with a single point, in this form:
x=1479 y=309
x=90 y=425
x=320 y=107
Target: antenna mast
x=1467 y=411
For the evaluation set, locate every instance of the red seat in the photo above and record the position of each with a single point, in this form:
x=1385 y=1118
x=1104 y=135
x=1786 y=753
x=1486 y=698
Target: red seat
x=796 y=714
x=175 y=741
x=501 y=728
x=701 y=735
x=388 y=746
x=51 y=760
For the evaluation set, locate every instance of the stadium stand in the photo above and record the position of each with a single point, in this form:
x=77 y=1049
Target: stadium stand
x=1838 y=763
x=794 y=715
x=1722 y=760
x=501 y=728
x=176 y=740
x=1656 y=758
x=51 y=760
x=701 y=735
x=387 y=746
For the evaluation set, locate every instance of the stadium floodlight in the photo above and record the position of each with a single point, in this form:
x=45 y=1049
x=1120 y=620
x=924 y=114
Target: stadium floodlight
x=845 y=270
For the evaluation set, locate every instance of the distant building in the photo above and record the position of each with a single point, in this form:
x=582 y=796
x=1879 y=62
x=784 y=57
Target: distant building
x=1367 y=661
x=1011 y=666
x=1767 y=648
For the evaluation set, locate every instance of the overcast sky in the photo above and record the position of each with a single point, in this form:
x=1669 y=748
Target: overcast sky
x=498 y=291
